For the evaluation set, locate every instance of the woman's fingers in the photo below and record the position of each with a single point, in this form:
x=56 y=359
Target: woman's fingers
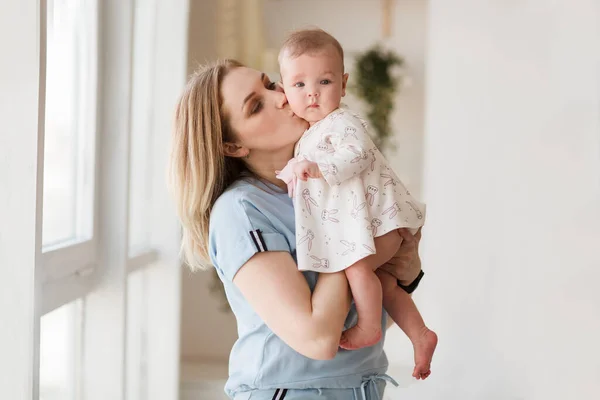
x=408 y=237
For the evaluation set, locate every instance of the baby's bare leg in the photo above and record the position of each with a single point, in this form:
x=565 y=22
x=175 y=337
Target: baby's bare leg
x=366 y=291
x=404 y=312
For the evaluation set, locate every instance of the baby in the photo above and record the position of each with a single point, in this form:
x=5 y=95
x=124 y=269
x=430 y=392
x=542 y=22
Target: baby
x=357 y=206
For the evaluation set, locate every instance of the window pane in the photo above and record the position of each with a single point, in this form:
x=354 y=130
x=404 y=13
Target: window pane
x=58 y=347
x=136 y=373
x=69 y=121
x=141 y=127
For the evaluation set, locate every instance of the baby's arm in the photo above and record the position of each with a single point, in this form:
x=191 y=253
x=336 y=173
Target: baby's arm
x=348 y=151
x=306 y=169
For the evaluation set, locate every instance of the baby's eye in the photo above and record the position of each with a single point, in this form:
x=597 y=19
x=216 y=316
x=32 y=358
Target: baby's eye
x=325 y=82
x=299 y=84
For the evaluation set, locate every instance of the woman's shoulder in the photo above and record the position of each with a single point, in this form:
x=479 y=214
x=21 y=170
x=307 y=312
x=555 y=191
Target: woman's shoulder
x=244 y=196
x=252 y=205
x=244 y=220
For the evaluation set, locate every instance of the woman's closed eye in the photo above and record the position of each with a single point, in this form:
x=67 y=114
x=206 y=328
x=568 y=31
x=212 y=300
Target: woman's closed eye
x=257 y=102
x=257 y=105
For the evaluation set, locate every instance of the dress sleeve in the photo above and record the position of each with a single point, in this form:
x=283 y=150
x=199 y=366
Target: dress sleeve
x=344 y=151
x=238 y=230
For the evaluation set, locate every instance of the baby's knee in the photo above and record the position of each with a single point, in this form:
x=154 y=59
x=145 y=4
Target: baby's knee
x=359 y=270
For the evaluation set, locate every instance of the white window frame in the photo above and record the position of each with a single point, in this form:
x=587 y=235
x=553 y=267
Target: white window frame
x=34 y=283
x=19 y=211
x=70 y=269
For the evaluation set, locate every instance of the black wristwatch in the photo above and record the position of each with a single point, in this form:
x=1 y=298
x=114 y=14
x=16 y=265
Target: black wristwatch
x=413 y=285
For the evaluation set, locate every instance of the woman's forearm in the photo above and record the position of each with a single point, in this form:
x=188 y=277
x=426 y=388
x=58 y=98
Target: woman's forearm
x=309 y=322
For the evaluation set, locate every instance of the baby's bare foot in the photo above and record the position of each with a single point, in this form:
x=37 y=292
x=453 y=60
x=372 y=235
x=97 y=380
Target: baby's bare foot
x=357 y=338
x=424 y=347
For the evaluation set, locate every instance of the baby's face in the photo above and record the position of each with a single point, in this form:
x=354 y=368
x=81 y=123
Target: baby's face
x=314 y=83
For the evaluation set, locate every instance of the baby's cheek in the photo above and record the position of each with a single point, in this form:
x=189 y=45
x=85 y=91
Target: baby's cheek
x=294 y=103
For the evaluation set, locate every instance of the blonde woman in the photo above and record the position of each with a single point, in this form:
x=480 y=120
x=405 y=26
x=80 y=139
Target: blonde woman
x=233 y=129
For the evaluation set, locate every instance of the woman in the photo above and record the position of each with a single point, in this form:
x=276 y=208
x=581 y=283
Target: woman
x=233 y=130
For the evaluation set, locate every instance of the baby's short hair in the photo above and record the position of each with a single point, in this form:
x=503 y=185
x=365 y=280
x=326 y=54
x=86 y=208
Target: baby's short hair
x=309 y=41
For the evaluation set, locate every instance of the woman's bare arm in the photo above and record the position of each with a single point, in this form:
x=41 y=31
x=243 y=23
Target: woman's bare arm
x=309 y=323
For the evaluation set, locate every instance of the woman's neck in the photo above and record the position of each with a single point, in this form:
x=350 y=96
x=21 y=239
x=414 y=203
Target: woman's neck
x=265 y=164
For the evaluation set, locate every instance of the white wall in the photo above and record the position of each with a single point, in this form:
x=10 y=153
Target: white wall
x=513 y=186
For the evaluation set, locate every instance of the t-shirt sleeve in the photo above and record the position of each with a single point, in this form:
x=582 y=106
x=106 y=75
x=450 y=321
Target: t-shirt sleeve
x=238 y=230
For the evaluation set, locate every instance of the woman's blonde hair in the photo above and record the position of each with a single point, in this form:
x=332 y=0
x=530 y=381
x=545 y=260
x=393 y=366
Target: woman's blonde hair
x=199 y=171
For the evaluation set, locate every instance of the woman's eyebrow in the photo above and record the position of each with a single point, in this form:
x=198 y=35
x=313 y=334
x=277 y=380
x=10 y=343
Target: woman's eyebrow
x=262 y=79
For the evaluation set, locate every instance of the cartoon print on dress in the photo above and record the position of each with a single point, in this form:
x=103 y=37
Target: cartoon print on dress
x=373 y=225
x=308 y=200
x=320 y=262
x=350 y=247
x=390 y=180
x=371 y=192
x=393 y=210
x=325 y=145
x=356 y=207
x=369 y=249
x=327 y=169
x=415 y=208
x=326 y=215
x=360 y=154
x=334 y=116
x=373 y=159
x=308 y=237
x=350 y=131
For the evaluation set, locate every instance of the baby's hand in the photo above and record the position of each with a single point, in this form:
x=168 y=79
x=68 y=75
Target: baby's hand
x=307 y=169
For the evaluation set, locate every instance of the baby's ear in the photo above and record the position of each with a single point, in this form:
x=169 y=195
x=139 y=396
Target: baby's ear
x=344 y=83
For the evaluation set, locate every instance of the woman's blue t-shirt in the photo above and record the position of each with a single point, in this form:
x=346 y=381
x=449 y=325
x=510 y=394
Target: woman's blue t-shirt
x=251 y=217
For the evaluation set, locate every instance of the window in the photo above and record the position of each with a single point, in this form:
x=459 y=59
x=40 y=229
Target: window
x=70 y=120
x=70 y=105
x=59 y=349
x=78 y=316
x=136 y=336
x=141 y=171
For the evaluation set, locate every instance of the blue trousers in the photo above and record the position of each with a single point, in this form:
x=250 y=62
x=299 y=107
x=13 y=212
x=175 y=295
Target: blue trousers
x=372 y=388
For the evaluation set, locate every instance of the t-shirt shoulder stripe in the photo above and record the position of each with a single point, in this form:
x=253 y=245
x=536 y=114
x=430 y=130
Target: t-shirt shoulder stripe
x=258 y=240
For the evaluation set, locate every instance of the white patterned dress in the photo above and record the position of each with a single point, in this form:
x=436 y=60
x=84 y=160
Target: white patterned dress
x=360 y=197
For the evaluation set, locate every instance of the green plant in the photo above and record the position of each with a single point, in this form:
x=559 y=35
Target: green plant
x=375 y=84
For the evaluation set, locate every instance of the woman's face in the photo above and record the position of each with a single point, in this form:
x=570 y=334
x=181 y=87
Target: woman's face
x=258 y=112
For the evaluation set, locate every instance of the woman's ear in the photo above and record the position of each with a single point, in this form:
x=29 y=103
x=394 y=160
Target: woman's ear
x=234 y=150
